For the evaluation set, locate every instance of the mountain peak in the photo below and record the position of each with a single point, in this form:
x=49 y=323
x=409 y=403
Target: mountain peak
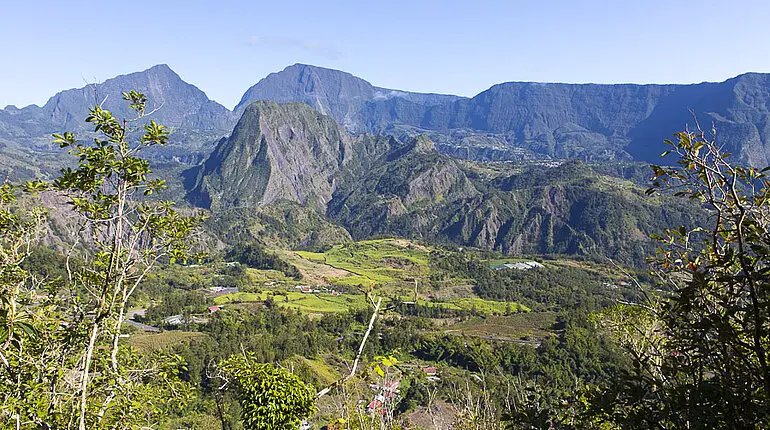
x=161 y=66
x=176 y=103
x=318 y=69
x=163 y=70
x=276 y=152
x=345 y=97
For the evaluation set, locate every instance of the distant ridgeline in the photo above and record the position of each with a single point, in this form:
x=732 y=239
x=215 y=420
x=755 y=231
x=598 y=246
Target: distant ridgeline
x=510 y=121
x=378 y=161
x=593 y=122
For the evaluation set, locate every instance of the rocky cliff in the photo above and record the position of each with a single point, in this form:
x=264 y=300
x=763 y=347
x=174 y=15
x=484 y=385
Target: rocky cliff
x=587 y=121
x=279 y=152
x=350 y=100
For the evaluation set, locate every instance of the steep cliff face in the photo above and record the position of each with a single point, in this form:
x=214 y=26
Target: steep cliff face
x=278 y=152
x=348 y=99
x=330 y=92
x=615 y=122
x=588 y=121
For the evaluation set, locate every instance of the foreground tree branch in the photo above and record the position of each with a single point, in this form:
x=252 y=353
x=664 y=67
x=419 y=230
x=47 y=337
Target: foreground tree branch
x=352 y=373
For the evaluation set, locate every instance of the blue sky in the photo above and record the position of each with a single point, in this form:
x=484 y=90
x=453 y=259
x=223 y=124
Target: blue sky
x=459 y=47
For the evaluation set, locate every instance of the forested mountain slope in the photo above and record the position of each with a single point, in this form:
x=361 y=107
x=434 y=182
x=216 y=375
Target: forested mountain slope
x=381 y=186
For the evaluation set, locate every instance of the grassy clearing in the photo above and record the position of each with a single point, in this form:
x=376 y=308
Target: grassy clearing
x=317 y=257
x=314 y=304
x=313 y=269
x=532 y=325
x=322 y=303
x=304 y=302
x=258 y=276
x=239 y=297
x=322 y=373
x=146 y=342
x=352 y=281
x=373 y=262
x=482 y=305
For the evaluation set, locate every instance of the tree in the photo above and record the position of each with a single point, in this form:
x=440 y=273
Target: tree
x=271 y=398
x=18 y=233
x=700 y=350
x=70 y=366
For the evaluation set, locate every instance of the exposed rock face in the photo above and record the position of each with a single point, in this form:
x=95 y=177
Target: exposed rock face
x=348 y=99
x=179 y=105
x=278 y=152
x=588 y=121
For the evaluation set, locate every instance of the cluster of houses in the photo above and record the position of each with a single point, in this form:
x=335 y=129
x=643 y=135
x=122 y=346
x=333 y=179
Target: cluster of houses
x=317 y=289
x=218 y=291
x=615 y=286
x=524 y=265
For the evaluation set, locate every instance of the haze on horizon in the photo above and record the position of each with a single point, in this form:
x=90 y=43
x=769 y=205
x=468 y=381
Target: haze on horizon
x=429 y=46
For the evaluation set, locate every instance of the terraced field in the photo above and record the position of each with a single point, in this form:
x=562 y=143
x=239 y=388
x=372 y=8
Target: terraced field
x=372 y=262
x=305 y=302
x=390 y=266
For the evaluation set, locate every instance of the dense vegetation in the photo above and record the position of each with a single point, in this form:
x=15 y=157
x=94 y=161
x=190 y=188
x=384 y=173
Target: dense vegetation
x=382 y=333
x=255 y=256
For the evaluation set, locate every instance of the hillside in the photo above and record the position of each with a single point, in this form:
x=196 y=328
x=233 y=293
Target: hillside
x=279 y=152
x=375 y=186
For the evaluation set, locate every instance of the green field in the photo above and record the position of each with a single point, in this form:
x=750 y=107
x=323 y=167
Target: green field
x=317 y=257
x=322 y=372
x=323 y=303
x=389 y=265
x=374 y=262
x=532 y=325
x=483 y=305
x=304 y=302
x=147 y=342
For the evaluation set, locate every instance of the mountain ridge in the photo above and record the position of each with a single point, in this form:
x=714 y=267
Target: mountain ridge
x=377 y=185
x=622 y=121
x=510 y=121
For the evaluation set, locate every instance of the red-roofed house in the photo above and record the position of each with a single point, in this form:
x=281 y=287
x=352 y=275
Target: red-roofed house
x=430 y=371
